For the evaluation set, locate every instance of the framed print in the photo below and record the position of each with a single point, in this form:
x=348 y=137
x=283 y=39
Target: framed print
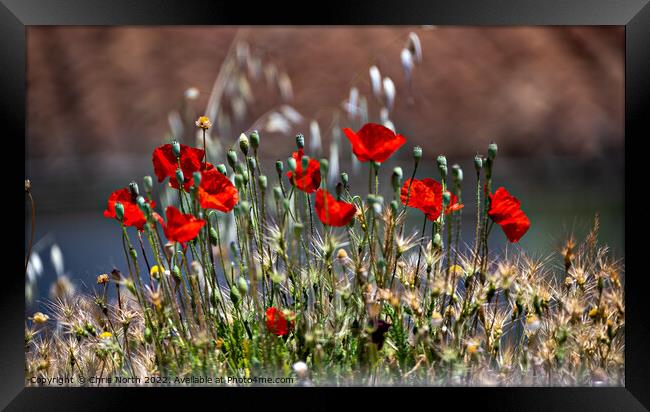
x=422 y=201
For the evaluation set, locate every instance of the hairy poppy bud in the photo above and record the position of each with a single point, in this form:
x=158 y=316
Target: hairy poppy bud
x=169 y=249
x=277 y=193
x=232 y=158
x=239 y=168
x=417 y=153
x=133 y=188
x=478 y=163
x=221 y=168
x=263 y=182
x=255 y=139
x=197 y=178
x=244 y=206
x=396 y=178
x=235 y=296
x=119 y=211
x=148 y=183
x=394 y=206
x=304 y=162
x=442 y=161
x=252 y=163
x=213 y=236
x=437 y=241
x=492 y=151
x=446 y=198
x=239 y=181
x=176 y=149
x=324 y=166
x=457 y=172
x=243 y=144
x=300 y=141
x=279 y=166
x=176 y=273
x=345 y=179
x=141 y=204
x=179 y=177
x=292 y=164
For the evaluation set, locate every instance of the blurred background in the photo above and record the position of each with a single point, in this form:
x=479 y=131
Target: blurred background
x=101 y=99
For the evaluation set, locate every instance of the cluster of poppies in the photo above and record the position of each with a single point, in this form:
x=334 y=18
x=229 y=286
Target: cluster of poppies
x=188 y=170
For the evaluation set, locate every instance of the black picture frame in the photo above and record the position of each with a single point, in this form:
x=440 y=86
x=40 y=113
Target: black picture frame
x=16 y=15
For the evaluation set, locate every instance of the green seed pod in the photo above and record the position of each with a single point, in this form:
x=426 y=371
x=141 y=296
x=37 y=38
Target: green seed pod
x=324 y=166
x=262 y=179
x=255 y=139
x=133 y=188
x=119 y=211
x=213 y=236
x=300 y=141
x=252 y=163
x=235 y=296
x=292 y=164
x=492 y=151
x=133 y=253
x=239 y=168
x=221 y=168
x=232 y=158
x=176 y=149
x=176 y=273
x=197 y=179
x=277 y=193
x=457 y=172
x=243 y=144
x=242 y=285
x=179 y=177
x=279 y=166
x=244 y=206
x=148 y=183
x=245 y=177
x=417 y=153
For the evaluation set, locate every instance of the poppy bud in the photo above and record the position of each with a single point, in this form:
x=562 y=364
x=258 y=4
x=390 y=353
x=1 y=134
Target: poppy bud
x=232 y=158
x=148 y=183
x=300 y=141
x=345 y=179
x=169 y=249
x=119 y=211
x=221 y=168
x=304 y=162
x=446 y=198
x=243 y=144
x=376 y=165
x=417 y=153
x=179 y=177
x=213 y=236
x=263 y=182
x=437 y=241
x=397 y=178
x=245 y=178
x=141 y=204
x=133 y=188
x=176 y=273
x=292 y=164
x=255 y=139
x=239 y=168
x=279 y=166
x=244 y=206
x=197 y=178
x=239 y=181
x=394 y=206
x=277 y=193
x=176 y=149
x=442 y=161
x=492 y=151
x=457 y=172
x=324 y=166
x=133 y=253
x=297 y=229
x=235 y=296
x=252 y=163
x=478 y=163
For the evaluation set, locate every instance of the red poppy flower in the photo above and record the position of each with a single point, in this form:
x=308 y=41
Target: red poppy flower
x=374 y=142
x=425 y=195
x=306 y=180
x=453 y=206
x=333 y=212
x=277 y=323
x=181 y=227
x=165 y=164
x=505 y=211
x=216 y=191
x=133 y=216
